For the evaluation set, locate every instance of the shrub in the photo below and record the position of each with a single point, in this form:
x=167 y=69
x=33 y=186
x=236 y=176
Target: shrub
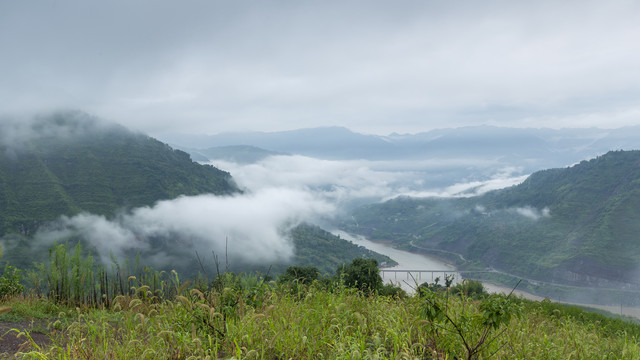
x=10 y=282
x=362 y=274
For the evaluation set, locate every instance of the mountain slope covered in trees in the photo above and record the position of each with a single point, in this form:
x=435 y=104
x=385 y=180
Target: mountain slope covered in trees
x=576 y=225
x=69 y=162
x=325 y=251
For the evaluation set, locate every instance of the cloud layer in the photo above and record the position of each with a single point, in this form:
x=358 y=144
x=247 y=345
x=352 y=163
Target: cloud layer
x=372 y=66
x=280 y=192
x=346 y=182
x=533 y=213
x=15 y=131
x=254 y=226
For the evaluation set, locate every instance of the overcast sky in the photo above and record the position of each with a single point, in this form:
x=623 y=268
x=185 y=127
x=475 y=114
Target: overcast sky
x=373 y=66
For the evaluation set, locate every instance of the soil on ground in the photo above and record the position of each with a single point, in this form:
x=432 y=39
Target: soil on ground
x=12 y=341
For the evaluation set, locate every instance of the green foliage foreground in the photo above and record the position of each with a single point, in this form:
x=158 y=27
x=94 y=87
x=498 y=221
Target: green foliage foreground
x=299 y=316
x=261 y=320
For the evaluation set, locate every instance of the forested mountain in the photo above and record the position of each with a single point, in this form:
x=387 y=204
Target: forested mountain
x=437 y=158
x=576 y=225
x=526 y=147
x=69 y=162
x=325 y=142
x=321 y=249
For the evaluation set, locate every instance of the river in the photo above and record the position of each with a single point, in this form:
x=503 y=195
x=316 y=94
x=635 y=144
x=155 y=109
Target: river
x=411 y=261
x=406 y=261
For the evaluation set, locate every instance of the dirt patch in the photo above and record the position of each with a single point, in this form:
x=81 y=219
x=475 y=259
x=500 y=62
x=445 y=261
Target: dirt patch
x=12 y=342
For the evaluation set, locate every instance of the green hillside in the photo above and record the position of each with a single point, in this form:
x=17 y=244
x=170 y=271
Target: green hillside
x=325 y=251
x=69 y=162
x=576 y=225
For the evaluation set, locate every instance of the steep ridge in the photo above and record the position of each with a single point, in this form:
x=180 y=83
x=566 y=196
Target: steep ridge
x=65 y=163
x=575 y=225
x=69 y=163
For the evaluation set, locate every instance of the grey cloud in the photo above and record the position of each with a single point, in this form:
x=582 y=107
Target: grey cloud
x=532 y=213
x=371 y=66
x=281 y=192
x=336 y=181
x=500 y=180
x=253 y=225
x=15 y=131
x=108 y=237
x=345 y=183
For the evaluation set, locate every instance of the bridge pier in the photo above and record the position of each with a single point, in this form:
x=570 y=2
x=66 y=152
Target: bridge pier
x=417 y=273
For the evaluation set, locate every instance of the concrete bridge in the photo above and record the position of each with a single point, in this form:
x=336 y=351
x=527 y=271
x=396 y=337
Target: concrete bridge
x=430 y=275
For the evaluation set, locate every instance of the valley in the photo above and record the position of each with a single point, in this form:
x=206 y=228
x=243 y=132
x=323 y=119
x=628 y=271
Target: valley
x=307 y=180
x=565 y=226
x=413 y=261
x=108 y=219
x=560 y=229
x=72 y=178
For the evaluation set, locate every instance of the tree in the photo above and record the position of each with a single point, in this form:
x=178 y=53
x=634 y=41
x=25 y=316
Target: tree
x=361 y=274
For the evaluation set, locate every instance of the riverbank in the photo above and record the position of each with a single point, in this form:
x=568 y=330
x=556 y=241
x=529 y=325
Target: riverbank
x=414 y=261
x=633 y=312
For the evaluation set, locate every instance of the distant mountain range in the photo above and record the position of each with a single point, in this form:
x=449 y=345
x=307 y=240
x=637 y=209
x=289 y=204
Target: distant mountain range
x=576 y=225
x=438 y=158
x=326 y=143
x=529 y=145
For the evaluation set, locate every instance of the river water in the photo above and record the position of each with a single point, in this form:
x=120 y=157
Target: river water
x=406 y=261
x=411 y=261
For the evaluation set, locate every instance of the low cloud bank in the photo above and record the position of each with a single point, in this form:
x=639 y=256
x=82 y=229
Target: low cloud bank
x=533 y=213
x=254 y=225
x=528 y=212
x=338 y=182
x=15 y=130
x=471 y=188
x=280 y=193
x=344 y=182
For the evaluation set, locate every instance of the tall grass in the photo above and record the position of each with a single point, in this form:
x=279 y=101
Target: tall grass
x=72 y=278
x=314 y=323
x=132 y=312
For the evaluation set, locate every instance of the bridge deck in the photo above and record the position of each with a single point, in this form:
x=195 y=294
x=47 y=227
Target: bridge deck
x=437 y=271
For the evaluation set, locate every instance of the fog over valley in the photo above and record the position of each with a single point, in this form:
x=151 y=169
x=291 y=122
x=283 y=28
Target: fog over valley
x=281 y=189
x=279 y=192
x=255 y=226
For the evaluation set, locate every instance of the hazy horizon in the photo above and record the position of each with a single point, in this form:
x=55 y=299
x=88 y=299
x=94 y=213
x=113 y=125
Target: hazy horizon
x=396 y=133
